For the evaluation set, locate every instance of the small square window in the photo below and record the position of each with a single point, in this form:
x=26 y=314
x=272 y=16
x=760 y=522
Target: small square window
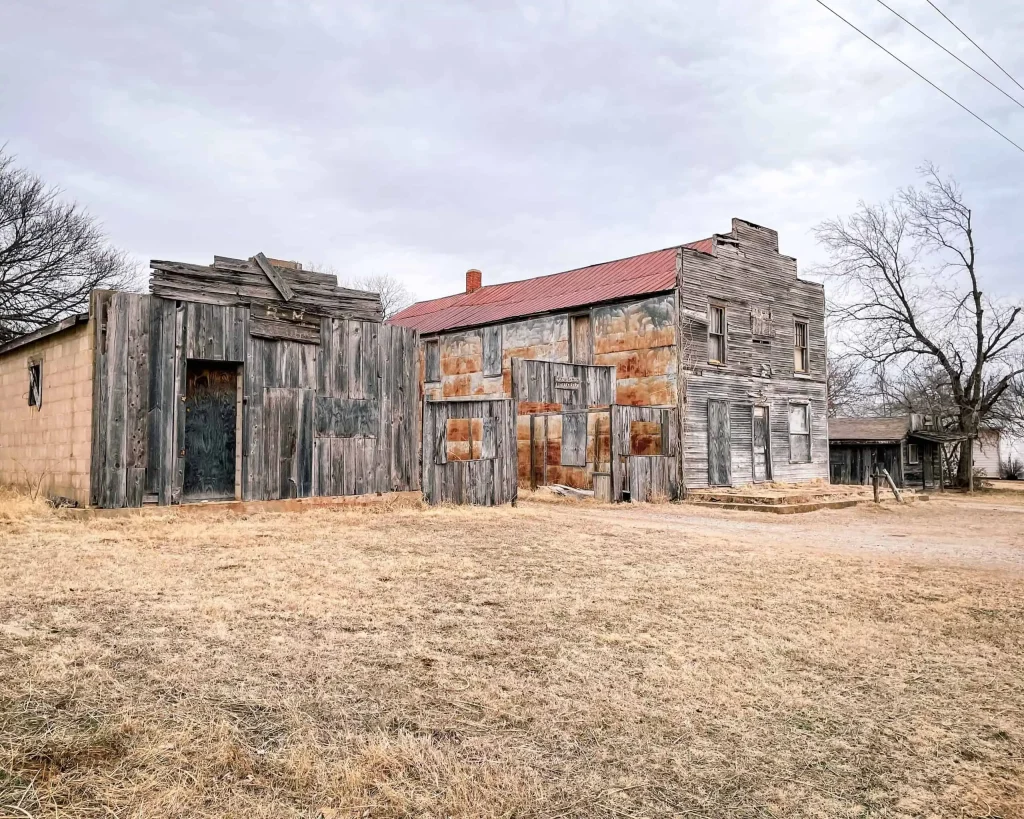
x=35 y=384
x=913 y=454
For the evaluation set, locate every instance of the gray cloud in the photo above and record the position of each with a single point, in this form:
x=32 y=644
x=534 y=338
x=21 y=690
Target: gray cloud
x=425 y=138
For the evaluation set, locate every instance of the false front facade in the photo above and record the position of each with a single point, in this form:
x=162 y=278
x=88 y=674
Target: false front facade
x=719 y=336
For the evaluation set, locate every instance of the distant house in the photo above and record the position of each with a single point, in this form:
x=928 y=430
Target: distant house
x=909 y=447
x=721 y=334
x=988 y=455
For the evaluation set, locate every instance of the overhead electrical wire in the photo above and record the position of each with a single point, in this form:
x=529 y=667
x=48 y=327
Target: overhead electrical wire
x=983 y=51
x=920 y=75
x=1011 y=98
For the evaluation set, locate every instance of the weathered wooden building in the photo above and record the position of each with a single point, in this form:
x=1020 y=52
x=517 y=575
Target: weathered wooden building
x=246 y=379
x=721 y=336
x=908 y=447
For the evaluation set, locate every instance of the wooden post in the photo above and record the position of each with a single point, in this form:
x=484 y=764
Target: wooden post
x=970 y=464
x=892 y=485
x=942 y=467
x=874 y=484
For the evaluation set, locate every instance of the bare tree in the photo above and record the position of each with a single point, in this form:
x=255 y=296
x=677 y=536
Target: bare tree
x=394 y=295
x=52 y=254
x=908 y=283
x=844 y=385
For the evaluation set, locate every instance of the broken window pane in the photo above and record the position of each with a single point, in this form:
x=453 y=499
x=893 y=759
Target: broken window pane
x=35 y=384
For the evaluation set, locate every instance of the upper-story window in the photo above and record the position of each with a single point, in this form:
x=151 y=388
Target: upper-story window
x=432 y=356
x=800 y=346
x=716 y=335
x=35 y=384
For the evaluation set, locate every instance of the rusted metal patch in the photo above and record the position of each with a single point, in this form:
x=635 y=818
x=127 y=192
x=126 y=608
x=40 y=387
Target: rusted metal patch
x=635 y=326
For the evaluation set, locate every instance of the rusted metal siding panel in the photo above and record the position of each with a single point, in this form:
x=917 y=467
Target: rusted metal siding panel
x=748 y=280
x=639 y=338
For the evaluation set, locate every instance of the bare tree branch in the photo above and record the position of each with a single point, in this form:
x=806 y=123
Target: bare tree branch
x=52 y=254
x=908 y=293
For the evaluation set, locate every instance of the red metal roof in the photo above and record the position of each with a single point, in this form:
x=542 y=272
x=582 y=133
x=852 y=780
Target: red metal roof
x=634 y=276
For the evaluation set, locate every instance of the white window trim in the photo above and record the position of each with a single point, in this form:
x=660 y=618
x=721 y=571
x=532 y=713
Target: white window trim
x=806 y=404
x=712 y=306
x=806 y=348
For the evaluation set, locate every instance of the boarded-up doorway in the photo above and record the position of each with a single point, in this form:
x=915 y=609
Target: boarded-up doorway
x=719 y=446
x=288 y=443
x=211 y=395
x=762 y=450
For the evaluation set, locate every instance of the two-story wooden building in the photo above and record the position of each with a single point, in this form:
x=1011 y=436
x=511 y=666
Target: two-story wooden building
x=722 y=333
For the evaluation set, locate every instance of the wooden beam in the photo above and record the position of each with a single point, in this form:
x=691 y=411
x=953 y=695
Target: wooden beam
x=275 y=278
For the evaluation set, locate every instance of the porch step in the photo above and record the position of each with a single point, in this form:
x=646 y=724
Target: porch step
x=796 y=508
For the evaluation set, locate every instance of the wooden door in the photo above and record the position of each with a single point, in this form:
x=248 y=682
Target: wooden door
x=719 y=443
x=211 y=395
x=762 y=450
x=582 y=340
x=288 y=442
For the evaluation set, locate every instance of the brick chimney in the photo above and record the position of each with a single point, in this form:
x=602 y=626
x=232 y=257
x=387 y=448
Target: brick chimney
x=473 y=280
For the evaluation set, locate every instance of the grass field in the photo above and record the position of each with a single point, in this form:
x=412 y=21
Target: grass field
x=553 y=660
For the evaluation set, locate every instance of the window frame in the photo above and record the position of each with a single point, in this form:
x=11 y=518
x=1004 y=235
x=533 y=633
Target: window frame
x=805 y=349
x=428 y=344
x=35 y=390
x=723 y=334
x=806 y=406
x=915 y=459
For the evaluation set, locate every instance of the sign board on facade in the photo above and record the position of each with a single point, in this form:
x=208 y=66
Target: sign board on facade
x=563 y=383
x=761 y=323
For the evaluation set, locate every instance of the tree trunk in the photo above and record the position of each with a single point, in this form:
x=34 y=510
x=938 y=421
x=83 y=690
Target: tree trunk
x=965 y=463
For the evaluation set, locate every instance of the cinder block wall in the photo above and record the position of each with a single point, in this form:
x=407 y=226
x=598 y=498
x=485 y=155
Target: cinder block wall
x=49 y=446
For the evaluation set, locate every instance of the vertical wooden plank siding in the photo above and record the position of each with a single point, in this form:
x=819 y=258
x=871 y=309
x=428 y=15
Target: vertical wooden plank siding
x=483 y=482
x=341 y=417
x=646 y=477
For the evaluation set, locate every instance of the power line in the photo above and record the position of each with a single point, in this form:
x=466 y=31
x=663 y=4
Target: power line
x=922 y=76
x=983 y=51
x=1012 y=99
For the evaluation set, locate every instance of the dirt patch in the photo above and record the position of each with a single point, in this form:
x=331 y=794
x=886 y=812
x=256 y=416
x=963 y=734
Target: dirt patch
x=554 y=660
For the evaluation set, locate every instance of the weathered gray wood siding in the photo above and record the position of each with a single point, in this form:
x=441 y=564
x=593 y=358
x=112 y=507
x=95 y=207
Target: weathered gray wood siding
x=564 y=449
x=645 y=477
x=750 y=279
x=336 y=417
x=486 y=481
x=240 y=282
x=537 y=383
x=367 y=409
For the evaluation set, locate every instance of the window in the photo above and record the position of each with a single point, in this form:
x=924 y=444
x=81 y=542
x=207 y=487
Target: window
x=35 y=384
x=492 y=351
x=470 y=439
x=716 y=335
x=800 y=347
x=800 y=433
x=646 y=438
x=432 y=356
x=913 y=455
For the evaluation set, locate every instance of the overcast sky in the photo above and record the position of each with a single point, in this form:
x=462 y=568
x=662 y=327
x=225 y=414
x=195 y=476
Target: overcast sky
x=422 y=138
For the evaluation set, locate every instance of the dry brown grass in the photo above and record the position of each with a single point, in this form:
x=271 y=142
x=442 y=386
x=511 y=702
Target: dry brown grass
x=545 y=661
